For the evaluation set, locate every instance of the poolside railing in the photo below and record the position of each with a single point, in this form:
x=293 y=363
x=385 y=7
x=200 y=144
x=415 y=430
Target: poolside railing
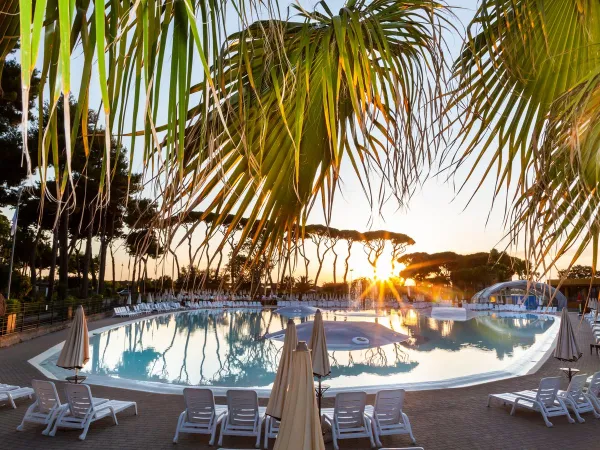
x=31 y=316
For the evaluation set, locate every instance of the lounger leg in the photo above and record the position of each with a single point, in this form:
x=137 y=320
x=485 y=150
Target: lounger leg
x=577 y=415
x=569 y=418
x=260 y=422
x=367 y=423
x=335 y=441
x=179 y=422
x=376 y=432
x=49 y=426
x=408 y=428
x=213 y=434
x=514 y=408
x=56 y=422
x=548 y=423
x=86 y=427
x=267 y=422
x=29 y=411
x=223 y=425
x=10 y=400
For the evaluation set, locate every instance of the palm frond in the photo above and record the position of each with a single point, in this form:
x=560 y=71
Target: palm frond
x=521 y=58
x=298 y=99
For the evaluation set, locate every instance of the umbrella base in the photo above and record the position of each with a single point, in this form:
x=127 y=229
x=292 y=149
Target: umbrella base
x=76 y=379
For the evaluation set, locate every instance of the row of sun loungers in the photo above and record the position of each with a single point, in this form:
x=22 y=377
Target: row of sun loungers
x=350 y=418
x=591 y=318
x=145 y=308
x=316 y=303
x=509 y=308
x=222 y=304
x=550 y=401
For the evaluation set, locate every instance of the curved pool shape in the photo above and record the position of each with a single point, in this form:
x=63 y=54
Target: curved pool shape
x=226 y=348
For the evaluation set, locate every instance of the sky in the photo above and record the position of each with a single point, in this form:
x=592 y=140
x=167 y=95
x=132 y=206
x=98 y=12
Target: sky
x=438 y=217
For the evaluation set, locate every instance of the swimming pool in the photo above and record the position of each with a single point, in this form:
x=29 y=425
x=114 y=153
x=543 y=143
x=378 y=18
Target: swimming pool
x=226 y=348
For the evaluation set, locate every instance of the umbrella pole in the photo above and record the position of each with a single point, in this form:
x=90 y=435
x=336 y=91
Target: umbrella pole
x=320 y=396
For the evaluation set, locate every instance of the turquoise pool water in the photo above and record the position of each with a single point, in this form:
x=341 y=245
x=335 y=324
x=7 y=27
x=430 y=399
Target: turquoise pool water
x=225 y=348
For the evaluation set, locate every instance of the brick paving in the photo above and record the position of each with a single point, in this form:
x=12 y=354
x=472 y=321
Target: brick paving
x=441 y=419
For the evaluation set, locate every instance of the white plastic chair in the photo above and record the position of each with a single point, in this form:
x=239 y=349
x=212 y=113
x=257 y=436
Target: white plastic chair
x=45 y=408
x=82 y=410
x=348 y=419
x=545 y=400
x=387 y=417
x=201 y=415
x=243 y=416
x=576 y=400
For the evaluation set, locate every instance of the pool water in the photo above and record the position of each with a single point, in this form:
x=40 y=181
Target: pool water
x=226 y=349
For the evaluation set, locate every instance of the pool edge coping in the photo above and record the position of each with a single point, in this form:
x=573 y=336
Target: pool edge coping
x=518 y=368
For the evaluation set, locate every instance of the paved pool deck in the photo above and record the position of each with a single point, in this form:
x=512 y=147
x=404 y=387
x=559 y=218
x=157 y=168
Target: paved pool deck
x=442 y=419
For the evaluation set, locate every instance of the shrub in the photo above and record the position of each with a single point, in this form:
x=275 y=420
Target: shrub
x=13 y=306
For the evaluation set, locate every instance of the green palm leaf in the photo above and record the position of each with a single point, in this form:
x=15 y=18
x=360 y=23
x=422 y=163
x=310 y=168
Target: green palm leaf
x=521 y=66
x=298 y=99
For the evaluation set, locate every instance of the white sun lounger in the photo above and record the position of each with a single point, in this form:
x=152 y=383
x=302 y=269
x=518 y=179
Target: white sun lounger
x=347 y=418
x=593 y=391
x=243 y=416
x=544 y=400
x=201 y=415
x=11 y=395
x=45 y=408
x=7 y=387
x=81 y=410
x=387 y=417
x=576 y=400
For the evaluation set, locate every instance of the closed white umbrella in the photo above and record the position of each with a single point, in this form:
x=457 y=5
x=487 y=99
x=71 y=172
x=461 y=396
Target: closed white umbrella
x=282 y=379
x=566 y=344
x=149 y=299
x=129 y=299
x=76 y=351
x=320 y=357
x=139 y=299
x=300 y=427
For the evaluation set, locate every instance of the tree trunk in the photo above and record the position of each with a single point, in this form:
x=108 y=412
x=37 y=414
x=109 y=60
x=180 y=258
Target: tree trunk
x=93 y=274
x=63 y=272
x=87 y=260
x=52 y=273
x=335 y=258
x=112 y=257
x=219 y=265
x=32 y=261
x=103 y=248
x=347 y=259
x=133 y=275
x=176 y=261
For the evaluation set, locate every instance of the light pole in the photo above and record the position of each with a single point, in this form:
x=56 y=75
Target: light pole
x=13 y=232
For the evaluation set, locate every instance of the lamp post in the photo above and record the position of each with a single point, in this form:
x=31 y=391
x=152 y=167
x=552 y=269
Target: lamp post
x=13 y=232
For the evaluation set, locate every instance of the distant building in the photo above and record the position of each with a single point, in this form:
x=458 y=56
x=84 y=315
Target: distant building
x=533 y=294
x=577 y=289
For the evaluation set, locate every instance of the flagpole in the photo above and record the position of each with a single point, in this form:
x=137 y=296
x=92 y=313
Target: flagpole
x=14 y=240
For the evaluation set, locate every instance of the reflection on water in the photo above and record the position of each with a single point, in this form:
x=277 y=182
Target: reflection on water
x=225 y=348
